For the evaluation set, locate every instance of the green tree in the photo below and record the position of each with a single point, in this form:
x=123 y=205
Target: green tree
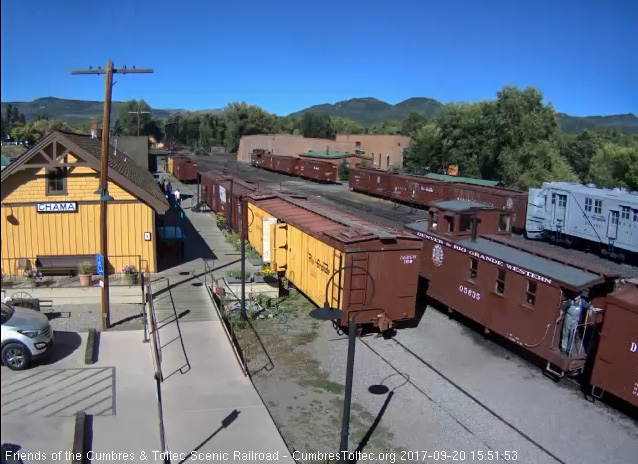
x=386 y=127
x=347 y=126
x=533 y=163
x=412 y=123
x=128 y=114
x=317 y=125
x=615 y=166
x=243 y=119
x=425 y=153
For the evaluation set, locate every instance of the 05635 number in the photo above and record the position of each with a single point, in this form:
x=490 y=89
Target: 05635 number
x=469 y=292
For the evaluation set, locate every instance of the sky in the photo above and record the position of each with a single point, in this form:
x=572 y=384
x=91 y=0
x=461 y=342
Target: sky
x=286 y=55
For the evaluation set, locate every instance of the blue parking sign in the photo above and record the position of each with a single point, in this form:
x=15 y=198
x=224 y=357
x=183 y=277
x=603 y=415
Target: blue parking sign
x=99 y=264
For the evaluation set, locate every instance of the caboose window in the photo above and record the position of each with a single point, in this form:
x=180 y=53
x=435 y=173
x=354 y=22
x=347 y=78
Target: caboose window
x=635 y=215
x=531 y=293
x=588 y=205
x=473 y=268
x=466 y=223
x=598 y=206
x=450 y=224
x=500 y=282
x=625 y=212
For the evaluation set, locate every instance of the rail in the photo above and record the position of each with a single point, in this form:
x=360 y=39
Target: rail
x=166 y=321
x=156 y=351
x=211 y=285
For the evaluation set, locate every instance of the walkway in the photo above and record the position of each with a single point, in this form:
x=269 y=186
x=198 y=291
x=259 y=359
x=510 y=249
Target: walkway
x=209 y=405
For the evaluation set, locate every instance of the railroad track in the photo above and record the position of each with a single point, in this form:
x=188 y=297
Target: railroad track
x=377 y=210
x=460 y=389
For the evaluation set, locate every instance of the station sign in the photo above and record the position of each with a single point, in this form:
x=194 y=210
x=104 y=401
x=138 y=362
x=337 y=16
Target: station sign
x=57 y=207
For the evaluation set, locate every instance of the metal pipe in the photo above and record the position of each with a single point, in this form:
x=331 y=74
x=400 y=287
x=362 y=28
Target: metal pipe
x=230 y=208
x=345 y=424
x=243 y=261
x=474 y=226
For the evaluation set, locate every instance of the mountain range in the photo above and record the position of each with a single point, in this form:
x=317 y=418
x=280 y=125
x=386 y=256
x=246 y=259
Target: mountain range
x=363 y=110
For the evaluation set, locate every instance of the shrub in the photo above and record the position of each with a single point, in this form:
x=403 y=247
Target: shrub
x=85 y=268
x=344 y=170
x=129 y=269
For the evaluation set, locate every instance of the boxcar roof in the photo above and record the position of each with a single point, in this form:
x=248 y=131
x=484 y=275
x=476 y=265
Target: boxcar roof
x=464 y=180
x=571 y=276
x=626 y=297
x=317 y=220
x=460 y=205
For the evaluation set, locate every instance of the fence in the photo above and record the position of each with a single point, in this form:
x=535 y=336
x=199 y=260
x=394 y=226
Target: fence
x=151 y=334
x=218 y=301
x=13 y=274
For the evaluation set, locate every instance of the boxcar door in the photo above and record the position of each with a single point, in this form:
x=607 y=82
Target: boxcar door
x=612 y=224
x=267 y=222
x=278 y=247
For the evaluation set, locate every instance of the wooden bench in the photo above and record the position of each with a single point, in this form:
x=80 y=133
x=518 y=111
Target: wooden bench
x=61 y=264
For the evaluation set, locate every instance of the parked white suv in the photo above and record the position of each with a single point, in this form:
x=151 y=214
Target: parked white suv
x=26 y=335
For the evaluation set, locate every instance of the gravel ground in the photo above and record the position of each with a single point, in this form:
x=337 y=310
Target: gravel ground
x=81 y=318
x=497 y=401
x=305 y=404
x=483 y=398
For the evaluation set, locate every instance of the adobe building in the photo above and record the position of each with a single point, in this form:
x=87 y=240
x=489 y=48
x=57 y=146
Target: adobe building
x=50 y=208
x=385 y=150
x=288 y=145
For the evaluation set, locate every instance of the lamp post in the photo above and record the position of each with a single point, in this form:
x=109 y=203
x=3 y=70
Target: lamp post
x=326 y=313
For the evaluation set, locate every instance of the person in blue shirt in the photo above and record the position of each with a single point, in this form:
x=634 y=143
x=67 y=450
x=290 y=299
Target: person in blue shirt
x=572 y=310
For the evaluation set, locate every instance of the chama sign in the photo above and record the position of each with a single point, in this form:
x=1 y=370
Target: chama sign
x=57 y=207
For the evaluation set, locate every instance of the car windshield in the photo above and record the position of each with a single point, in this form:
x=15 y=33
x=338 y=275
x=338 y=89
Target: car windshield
x=7 y=312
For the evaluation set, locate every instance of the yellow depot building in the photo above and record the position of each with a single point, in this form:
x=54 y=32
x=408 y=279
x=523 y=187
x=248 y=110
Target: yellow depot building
x=50 y=209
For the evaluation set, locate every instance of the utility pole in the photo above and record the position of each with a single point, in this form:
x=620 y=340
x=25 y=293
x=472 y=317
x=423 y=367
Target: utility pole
x=138 y=118
x=103 y=189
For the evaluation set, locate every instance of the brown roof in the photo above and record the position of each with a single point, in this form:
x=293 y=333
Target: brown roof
x=122 y=169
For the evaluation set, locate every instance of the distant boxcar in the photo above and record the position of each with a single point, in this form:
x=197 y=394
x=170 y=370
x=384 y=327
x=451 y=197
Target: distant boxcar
x=185 y=169
x=321 y=171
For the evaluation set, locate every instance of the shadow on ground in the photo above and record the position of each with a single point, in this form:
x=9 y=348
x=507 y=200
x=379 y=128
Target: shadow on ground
x=65 y=344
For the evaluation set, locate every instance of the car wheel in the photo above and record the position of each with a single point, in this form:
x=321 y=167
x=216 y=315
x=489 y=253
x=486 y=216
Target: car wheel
x=15 y=356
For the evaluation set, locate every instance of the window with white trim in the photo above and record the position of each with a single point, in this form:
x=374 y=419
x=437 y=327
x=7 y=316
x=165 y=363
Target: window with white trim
x=598 y=207
x=588 y=203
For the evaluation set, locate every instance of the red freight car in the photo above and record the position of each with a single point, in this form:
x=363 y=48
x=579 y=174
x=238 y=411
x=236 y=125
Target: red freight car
x=616 y=363
x=419 y=190
x=283 y=164
x=216 y=192
x=499 y=197
x=514 y=293
x=185 y=169
x=372 y=181
x=321 y=171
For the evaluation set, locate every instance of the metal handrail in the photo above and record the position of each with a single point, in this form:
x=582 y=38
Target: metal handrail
x=155 y=342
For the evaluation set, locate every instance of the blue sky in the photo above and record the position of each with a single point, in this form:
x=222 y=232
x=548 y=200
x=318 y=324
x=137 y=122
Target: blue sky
x=287 y=55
